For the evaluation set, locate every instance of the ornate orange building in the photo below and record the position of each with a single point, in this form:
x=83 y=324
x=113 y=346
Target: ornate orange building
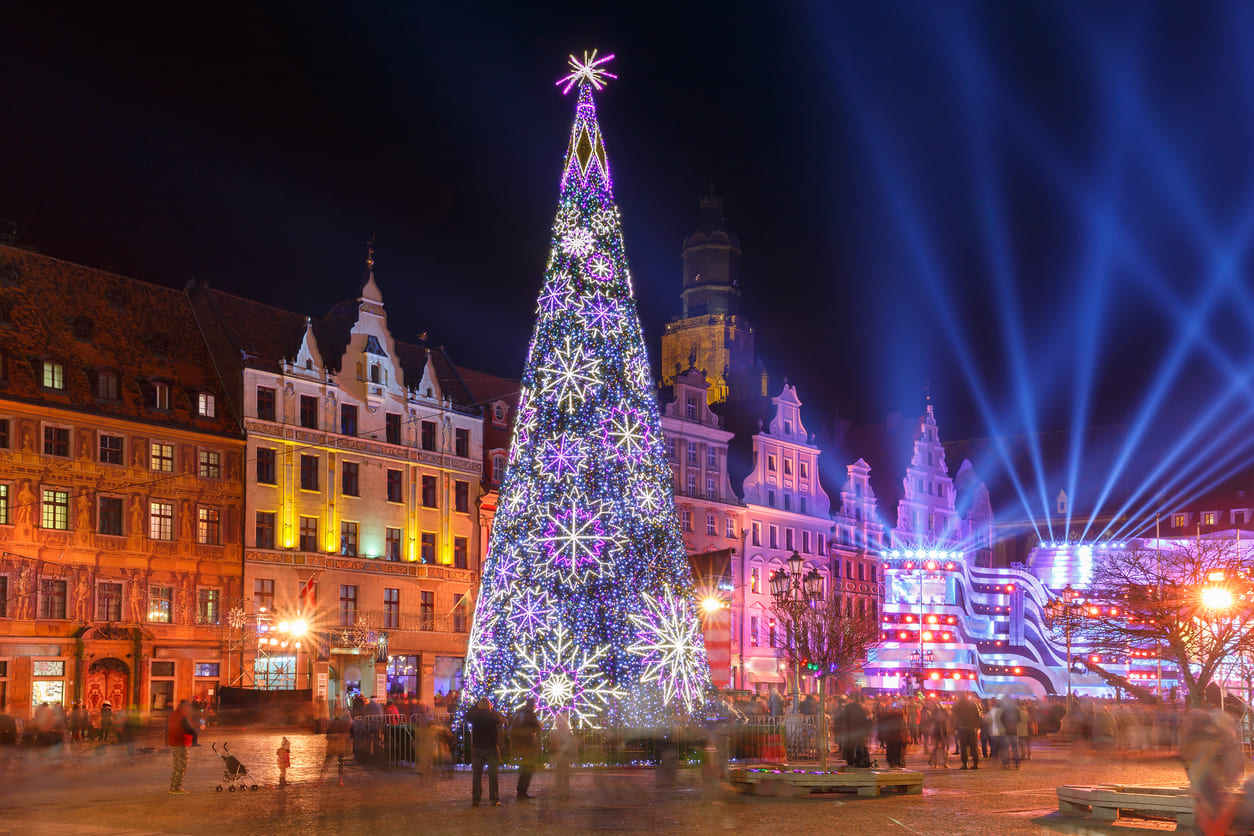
x=120 y=492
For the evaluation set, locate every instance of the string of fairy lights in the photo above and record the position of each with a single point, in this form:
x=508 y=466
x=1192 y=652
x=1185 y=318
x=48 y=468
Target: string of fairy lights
x=586 y=601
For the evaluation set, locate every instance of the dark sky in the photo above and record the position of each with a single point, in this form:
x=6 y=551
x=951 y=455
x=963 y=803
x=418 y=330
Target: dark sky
x=1044 y=209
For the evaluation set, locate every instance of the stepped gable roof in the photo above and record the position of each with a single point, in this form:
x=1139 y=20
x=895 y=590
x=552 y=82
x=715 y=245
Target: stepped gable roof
x=267 y=335
x=92 y=321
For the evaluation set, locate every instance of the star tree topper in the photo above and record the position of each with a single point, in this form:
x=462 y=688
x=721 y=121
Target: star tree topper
x=591 y=69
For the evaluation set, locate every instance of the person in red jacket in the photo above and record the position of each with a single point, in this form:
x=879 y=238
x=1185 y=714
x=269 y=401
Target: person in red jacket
x=179 y=734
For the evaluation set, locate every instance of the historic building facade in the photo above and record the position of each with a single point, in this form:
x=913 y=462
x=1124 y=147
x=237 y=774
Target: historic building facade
x=365 y=470
x=786 y=511
x=710 y=514
x=711 y=334
x=120 y=493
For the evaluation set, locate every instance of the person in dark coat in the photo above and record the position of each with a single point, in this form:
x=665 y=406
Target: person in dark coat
x=524 y=738
x=485 y=749
x=857 y=726
x=967 y=721
x=892 y=724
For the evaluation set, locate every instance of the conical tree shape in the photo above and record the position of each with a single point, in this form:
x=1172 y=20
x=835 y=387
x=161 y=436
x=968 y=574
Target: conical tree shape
x=586 y=601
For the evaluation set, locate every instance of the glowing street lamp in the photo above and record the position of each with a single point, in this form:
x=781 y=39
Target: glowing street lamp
x=1217 y=598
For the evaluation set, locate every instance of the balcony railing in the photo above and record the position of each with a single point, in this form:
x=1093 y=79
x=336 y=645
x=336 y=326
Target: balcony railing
x=401 y=622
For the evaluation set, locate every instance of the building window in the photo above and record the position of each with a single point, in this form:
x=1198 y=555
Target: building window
x=787 y=502
x=162 y=457
x=263 y=594
x=711 y=524
x=686 y=518
x=348 y=605
x=670 y=449
x=872 y=573
x=789 y=539
x=208 y=527
x=394 y=486
x=692 y=484
x=4 y=428
x=309 y=412
x=111 y=450
x=498 y=468
x=348 y=538
x=1208 y=518
x=771 y=632
x=160 y=604
x=108 y=386
x=460 y=621
x=348 y=419
x=428 y=492
x=822 y=544
x=53 y=376
x=109 y=602
x=731 y=528
x=208 y=606
x=160 y=395
x=690 y=409
x=4 y=613
x=770 y=463
x=309 y=534
x=392 y=544
x=426 y=610
x=4 y=504
x=770 y=498
x=210 y=464
x=206 y=405
x=308 y=473
x=392 y=428
x=427 y=541
x=711 y=491
x=802 y=509
x=711 y=456
x=428 y=435
x=56 y=509
x=459 y=553
x=692 y=452
x=461 y=442
x=805 y=542
x=266 y=469
x=348 y=479
x=753 y=631
x=52 y=598
x=803 y=470
x=787 y=467
x=56 y=441
x=756 y=533
x=265 y=529
x=755 y=579
x=391 y=609
x=109 y=519
x=1177 y=521
x=461 y=497
x=774 y=537
x=265 y=403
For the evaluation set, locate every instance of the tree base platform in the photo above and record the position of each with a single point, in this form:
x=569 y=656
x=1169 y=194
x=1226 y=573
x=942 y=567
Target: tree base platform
x=1107 y=802
x=772 y=779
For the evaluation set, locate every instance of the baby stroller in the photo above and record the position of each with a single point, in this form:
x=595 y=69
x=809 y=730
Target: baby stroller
x=234 y=775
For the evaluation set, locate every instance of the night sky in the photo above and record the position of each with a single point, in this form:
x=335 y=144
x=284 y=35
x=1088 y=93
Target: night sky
x=1043 y=209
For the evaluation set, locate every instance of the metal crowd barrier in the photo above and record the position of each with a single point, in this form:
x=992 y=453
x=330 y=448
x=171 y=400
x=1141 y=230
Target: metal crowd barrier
x=430 y=741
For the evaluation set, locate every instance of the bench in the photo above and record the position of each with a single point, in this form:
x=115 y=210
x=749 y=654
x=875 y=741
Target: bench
x=776 y=780
x=1106 y=802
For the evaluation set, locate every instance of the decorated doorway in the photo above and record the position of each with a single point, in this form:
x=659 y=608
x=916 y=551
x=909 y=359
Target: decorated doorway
x=107 y=681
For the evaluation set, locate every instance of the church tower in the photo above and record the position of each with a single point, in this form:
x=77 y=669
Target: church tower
x=710 y=334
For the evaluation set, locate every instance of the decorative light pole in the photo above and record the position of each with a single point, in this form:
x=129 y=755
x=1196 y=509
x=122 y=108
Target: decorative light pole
x=1064 y=610
x=798 y=595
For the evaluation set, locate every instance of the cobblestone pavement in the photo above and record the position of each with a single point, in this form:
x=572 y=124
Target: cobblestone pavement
x=100 y=793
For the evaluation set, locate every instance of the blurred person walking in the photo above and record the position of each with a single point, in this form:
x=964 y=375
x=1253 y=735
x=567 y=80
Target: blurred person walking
x=524 y=738
x=179 y=737
x=1010 y=718
x=562 y=749
x=967 y=720
x=339 y=744
x=485 y=735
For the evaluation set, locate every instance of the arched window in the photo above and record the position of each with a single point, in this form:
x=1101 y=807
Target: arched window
x=374 y=373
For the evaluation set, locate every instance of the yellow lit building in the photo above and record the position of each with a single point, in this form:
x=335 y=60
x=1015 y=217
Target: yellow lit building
x=365 y=461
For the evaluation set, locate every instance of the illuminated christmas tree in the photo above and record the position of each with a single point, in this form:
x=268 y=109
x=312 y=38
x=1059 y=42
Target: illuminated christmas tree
x=586 y=601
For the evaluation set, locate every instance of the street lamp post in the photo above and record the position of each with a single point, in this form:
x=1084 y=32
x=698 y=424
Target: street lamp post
x=1064 y=609
x=795 y=593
